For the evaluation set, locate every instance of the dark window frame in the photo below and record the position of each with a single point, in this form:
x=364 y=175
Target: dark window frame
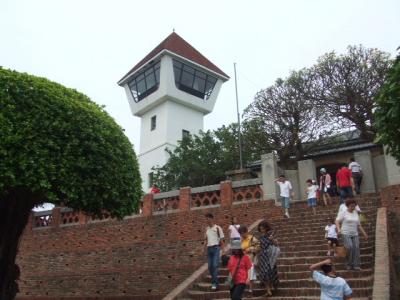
x=209 y=81
x=154 y=67
x=185 y=133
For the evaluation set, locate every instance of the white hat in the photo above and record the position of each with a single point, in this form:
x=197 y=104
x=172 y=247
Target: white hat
x=323 y=170
x=236 y=245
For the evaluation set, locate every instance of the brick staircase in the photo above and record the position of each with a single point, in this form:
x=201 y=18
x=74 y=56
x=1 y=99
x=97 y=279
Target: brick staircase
x=301 y=239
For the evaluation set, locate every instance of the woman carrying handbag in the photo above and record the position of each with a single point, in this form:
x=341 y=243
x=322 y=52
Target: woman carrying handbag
x=239 y=265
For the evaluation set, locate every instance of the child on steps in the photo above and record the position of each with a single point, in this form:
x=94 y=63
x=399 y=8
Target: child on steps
x=331 y=236
x=311 y=193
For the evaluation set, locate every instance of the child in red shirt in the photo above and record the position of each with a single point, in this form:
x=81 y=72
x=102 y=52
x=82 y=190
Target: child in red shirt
x=239 y=265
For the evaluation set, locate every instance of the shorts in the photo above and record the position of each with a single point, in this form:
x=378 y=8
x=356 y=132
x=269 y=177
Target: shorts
x=285 y=201
x=333 y=241
x=312 y=201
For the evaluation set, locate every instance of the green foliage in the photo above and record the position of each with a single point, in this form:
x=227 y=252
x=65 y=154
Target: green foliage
x=203 y=159
x=289 y=121
x=347 y=84
x=56 y=142
x=387 y=114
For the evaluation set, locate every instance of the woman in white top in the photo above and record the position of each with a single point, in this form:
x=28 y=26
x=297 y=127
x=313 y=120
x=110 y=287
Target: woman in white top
x=348 y=224
x=234 y=229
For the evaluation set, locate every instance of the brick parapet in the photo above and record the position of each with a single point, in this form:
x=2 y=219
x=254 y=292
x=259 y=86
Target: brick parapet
x=137 y=257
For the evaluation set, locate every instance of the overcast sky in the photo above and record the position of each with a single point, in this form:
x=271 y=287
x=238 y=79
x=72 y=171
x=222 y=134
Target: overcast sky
x=90 y=44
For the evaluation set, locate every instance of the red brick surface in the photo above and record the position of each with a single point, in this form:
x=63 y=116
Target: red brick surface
x=143 y=256
x=390 y=198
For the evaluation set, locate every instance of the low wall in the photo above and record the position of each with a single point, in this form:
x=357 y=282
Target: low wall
x=67 y=254
x=390 y=198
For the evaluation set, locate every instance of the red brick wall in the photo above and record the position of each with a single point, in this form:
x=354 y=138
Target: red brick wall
x=390 y=197
x=142 y=256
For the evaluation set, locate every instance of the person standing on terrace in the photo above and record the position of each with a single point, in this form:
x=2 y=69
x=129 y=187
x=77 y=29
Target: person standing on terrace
x=286 y=193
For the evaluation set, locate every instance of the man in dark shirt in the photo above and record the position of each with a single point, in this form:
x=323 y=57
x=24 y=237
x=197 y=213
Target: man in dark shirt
x=345 y=182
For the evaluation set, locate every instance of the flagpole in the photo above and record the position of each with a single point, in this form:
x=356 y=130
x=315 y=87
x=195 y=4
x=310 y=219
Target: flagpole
x=238 y=118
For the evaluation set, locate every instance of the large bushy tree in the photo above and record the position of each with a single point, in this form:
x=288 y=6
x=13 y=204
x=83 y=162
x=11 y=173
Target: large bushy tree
x=57 y=146
x=387 y=114
x=290 y=121
x=346 y=85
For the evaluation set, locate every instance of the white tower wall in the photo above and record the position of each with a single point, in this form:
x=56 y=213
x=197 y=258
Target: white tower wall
x=175 y=109
x=171 y=119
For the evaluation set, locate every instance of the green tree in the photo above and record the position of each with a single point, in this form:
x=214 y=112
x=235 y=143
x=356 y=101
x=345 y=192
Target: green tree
x=289 y=121
x=203 y=159
x=57 y=146
x=346 y=86
x=387 y=114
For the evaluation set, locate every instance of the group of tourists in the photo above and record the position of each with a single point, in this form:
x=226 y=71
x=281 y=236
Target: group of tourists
x=255 y=258
x=251 y=258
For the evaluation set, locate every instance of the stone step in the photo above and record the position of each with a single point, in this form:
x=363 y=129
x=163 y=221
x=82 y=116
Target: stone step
x=340 y=267
x=304 y=274
x=282 y=261
x=361 y=282
x=316 y=244
x=290 y=293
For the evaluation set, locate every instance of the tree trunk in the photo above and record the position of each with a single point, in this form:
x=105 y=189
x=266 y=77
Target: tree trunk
x=14 y=215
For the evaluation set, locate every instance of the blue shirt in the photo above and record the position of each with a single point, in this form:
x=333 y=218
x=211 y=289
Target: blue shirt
x=332 y=288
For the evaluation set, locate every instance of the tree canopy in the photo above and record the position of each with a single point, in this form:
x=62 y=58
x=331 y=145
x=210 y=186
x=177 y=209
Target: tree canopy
x=387 y=114
x=346 y=85
x=203 y=159
x=61 y=146
x=57 y=146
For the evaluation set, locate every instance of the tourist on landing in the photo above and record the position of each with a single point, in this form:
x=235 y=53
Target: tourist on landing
x=331 y=236
x=325 y=182
x=250 y=245
x=345 y=183
x=267 y=271
x=311 y=193
x=332 y=287
x=234 y=229
x=213 y=244
x=285 y=193
x=356 y=172
x=239 y=265
x=348 y=224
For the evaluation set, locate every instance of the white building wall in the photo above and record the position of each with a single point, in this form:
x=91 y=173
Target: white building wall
x=150 y=139
x=175 y=110
x=155 y=157
x=181 y=117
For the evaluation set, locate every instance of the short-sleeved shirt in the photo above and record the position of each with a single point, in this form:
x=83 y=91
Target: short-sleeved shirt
x=331 y=231
x=344 y=175
x=212 y=235
x=244 y=267
x=234 y=231
x=343 y=208
x=355 y=167
x=312 y=191
x=350 y=222
x=285 y=188
x=332 y=288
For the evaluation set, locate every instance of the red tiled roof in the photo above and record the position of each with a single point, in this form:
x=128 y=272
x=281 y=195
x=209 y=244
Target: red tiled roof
x=179 y=46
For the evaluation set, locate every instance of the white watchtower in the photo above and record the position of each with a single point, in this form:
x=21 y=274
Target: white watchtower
x=171 y=90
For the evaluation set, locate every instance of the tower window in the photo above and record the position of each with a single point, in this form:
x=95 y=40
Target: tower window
x=145 y=82
x=185 y=133
x=193 y=81
x=153 y=123
x=151 y=179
